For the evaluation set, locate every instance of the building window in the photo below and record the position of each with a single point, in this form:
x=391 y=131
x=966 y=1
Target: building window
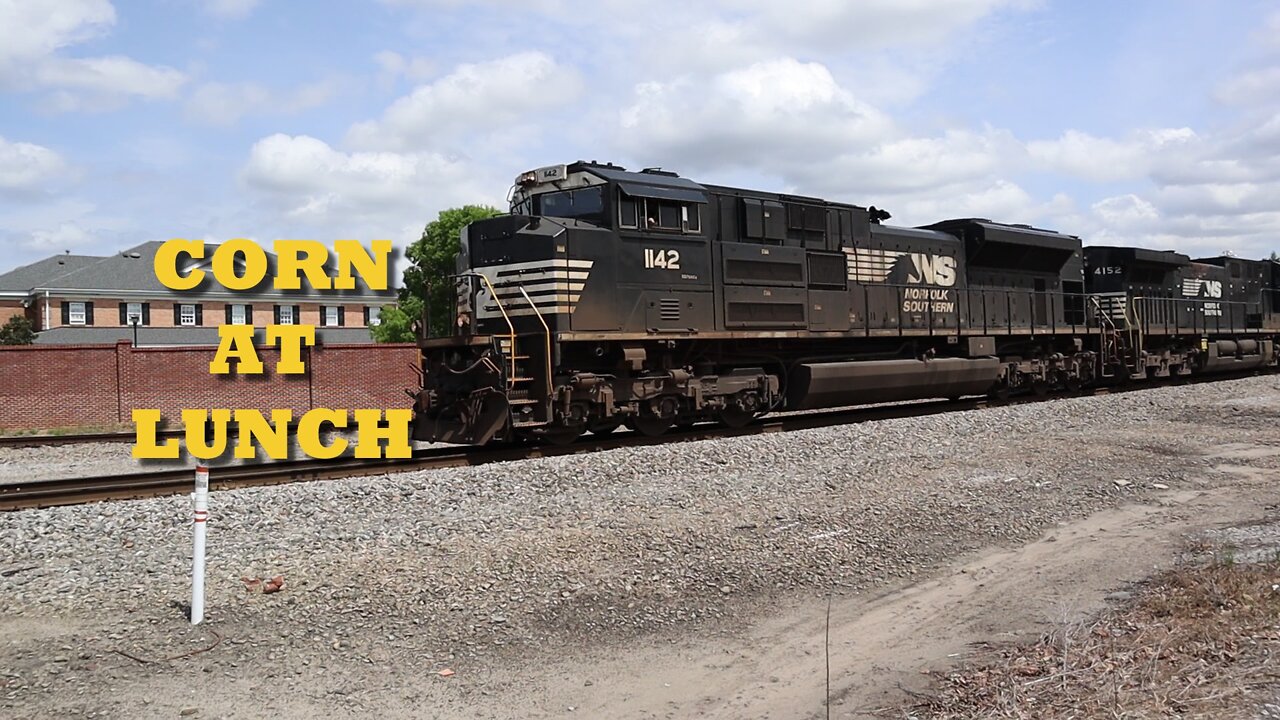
x=76 y=313
x=284 y=314
x=131 y=313
x=372 y=316
x=186 y=314
x=239 y=315
x=331 y=314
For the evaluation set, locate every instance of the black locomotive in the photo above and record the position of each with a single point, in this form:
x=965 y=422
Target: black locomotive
x=609 y=298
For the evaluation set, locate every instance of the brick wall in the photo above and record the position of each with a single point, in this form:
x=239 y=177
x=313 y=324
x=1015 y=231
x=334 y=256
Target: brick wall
x=10 y=309
x=58 y=386
x=46 y=387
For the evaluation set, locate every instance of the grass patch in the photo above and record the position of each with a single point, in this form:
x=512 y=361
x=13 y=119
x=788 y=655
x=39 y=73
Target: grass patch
x=1196 y=641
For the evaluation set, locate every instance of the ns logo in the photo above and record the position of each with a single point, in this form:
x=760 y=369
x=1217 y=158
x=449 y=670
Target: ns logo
x=932 y=270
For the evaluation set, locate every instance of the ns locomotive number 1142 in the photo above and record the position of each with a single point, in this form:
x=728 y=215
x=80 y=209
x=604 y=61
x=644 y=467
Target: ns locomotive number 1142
x=609 y=298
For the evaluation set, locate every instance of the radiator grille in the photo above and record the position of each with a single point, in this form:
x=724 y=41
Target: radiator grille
x=763 y=270
x=827 y=271
x=765 y=312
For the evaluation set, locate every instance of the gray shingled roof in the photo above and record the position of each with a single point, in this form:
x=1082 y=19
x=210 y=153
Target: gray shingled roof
x=124 y=271
x=41 y=272
x=81 y=335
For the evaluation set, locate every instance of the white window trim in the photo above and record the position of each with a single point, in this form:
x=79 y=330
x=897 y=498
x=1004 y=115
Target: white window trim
x=129 y=314
x=71 y=313
x=331 y=309
x=242 y=311
x=286 y=315
x=183 y=316
x=375 y=315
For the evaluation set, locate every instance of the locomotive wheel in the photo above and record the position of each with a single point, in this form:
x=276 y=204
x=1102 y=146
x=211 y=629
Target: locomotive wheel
x=604 y=427
x=562 y=435
x=736 y=418
x=650 y=425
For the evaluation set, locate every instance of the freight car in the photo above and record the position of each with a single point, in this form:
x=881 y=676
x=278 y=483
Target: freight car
x=609 y=298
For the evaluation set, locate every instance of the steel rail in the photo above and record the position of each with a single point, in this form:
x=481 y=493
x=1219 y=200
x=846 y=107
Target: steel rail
x=72 y=491
x=44 y=440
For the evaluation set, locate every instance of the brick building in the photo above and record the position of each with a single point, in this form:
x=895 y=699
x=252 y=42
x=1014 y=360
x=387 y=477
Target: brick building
x=79 y=299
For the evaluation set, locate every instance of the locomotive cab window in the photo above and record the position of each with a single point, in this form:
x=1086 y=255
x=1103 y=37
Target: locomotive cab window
x=628 y=212
x=583 y=204
x=662 y=215
x=692 y=222
x=659 y=215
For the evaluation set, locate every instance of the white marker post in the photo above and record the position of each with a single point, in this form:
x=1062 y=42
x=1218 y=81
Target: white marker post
x=200 y=501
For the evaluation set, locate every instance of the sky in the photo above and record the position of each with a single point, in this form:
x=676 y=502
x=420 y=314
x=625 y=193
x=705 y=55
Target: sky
x=1153 y=123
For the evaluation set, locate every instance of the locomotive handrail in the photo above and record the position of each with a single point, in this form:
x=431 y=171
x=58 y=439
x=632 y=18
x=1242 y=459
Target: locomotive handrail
x=546 y=329
x=510 y=326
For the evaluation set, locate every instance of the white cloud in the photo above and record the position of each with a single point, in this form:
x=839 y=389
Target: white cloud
x=31 y=36
x=358 y=194
x=33 y=30
x=774 y=114
x=28 y=167
x=506 y=92
x=230 y=9
x=225 y=104
x=1106 y=159
x=412 y=67
x=65 y=236
x=1126 y=211
x=1253 y=87
x=107 y=81
x=833 y=23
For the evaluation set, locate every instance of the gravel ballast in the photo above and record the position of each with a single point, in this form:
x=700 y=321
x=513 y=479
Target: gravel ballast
x=457 y=568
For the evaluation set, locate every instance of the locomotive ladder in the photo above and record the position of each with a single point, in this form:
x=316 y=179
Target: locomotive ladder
x=1112 y=350
x=520 y=379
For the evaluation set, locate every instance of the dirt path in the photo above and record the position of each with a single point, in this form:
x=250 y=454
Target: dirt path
x=881 y=646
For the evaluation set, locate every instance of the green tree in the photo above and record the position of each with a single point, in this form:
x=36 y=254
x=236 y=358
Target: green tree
x=394 y=325
x=18 y=331
x=426 y=281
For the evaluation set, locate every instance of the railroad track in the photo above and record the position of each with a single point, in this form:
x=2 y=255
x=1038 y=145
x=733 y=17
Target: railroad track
x=72 y=491
x=7 y=441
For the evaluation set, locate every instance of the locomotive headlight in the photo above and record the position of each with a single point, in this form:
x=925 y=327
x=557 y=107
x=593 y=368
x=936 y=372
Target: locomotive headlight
x=529 y=178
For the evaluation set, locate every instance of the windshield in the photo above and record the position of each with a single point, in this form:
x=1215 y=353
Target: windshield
x=583 y=204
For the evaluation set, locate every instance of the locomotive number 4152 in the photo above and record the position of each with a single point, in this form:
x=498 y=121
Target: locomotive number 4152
x=664 y=259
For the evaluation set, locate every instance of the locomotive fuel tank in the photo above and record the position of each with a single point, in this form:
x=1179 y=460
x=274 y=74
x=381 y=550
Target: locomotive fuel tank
x=835 y=384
